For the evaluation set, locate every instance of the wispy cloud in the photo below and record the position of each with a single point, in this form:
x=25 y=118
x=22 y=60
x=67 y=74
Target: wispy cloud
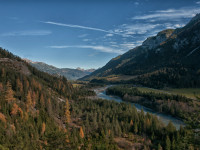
x=173 y=26
x=27 y=33
x=97 y=48
x=128 y=45
x=133 y=29
x=198 y=2
x=86 y=40
x=169 y=14
x=82 y=27
x=165 y=11
x=136 y=3
x=109 y=34
x=76 y=26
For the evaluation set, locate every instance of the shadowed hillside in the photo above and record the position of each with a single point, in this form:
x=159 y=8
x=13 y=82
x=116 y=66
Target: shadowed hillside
x=171 y=58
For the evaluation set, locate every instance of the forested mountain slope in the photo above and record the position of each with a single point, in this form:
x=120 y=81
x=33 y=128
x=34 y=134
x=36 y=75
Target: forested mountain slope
x=30 y=104
x=171 y=57
x=40 y=111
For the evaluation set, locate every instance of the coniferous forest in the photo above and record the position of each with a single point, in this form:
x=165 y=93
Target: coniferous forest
x=41 y=111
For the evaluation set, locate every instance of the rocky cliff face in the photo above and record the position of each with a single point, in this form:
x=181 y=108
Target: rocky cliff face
x=188 y=35
x=154 y=41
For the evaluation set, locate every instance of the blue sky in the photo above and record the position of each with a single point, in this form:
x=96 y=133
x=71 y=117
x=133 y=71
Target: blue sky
x=86 y=33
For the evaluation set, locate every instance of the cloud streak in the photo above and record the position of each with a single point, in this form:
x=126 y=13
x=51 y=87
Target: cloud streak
x=76 y=26
x=28 y=33
x=169 y=14
x=82 y=27
x=97 y=48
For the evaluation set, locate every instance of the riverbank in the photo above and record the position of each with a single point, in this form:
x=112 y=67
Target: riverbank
x=165 y=118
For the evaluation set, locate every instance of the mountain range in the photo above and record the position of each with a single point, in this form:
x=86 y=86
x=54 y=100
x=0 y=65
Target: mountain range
x=70 y=74
x=171 y=58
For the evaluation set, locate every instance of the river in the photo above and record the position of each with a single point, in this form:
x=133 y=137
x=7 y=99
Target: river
x=101 y=93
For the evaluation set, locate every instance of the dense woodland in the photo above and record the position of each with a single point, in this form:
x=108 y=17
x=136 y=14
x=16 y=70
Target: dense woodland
x=176 y=75
x=176 y=105
x=40 y=111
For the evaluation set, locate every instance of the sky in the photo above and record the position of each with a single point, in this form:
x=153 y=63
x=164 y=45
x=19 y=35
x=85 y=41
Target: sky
x=86 y=33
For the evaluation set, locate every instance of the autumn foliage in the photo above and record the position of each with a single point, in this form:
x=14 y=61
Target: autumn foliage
x=43 y=128
x=2 y=118
x=9 y=93
x=81 y=132
x=67 y=112
x=16 y=109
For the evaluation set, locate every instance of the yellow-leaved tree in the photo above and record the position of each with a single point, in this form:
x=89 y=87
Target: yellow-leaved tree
x=9 y=97
x=43 y=128
x=67 y=120
x=67 y=113
x=81 y=133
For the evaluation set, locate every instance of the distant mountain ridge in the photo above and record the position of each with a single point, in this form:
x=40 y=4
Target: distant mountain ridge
x=171 y=58
x=71 y=74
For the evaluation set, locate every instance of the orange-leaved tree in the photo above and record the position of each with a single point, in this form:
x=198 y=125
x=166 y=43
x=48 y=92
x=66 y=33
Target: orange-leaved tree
x=67 y=113
x=9 y=93
x=81 y=132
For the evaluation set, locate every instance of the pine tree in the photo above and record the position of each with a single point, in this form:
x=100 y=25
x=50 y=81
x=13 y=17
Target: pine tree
x=9 y=93
x=28 y=100
x=2 y=92
x=170 y=127
x=67 y=113
x=49 y=106
x=19 y=86
x=167 y=144
x=173 y=146
x=160 y=147
x=42 y=103
x=135 y=128
x=3 y=75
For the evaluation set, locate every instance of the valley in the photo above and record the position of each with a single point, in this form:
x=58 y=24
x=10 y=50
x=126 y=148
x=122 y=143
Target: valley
x=52 y=113
x=147 y=98
x=69 y=73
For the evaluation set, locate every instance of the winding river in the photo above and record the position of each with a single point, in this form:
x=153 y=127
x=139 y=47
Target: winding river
x=101 y=93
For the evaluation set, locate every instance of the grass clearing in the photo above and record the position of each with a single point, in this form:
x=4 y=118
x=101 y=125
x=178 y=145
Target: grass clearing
x=119 y=77
x=76 y=85
x=193 y=93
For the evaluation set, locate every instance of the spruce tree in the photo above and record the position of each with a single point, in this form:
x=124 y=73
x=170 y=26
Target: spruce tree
x=167 y=144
